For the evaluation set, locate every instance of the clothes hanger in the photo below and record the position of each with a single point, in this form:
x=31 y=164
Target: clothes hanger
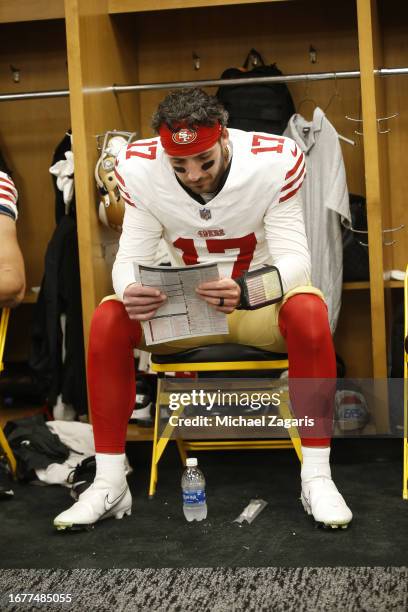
x=306 y=99
x=336 y=94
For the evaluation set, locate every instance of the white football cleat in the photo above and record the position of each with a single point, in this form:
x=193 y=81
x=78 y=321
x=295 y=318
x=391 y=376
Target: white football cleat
x=322 y=500
x=98 y=502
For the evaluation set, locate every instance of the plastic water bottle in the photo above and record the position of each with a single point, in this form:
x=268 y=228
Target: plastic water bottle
x=193 y=488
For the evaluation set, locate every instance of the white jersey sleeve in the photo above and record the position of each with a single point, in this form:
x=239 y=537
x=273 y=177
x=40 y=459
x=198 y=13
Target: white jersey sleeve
x=284 y=223
x=141 y=233
x=8 y=196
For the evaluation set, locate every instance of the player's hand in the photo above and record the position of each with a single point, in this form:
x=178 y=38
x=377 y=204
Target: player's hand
x=226 y=288
x=141 y=302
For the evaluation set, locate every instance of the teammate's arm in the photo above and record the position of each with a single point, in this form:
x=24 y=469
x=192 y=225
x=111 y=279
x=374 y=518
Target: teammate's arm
x=12 y=276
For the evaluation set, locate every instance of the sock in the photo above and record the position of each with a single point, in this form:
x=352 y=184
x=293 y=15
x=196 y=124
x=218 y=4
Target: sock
x=304 y=324
x=110 y=469
x=111 y=374
x=315 y=462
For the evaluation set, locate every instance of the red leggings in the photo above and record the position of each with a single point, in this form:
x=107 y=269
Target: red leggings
x=111 y=378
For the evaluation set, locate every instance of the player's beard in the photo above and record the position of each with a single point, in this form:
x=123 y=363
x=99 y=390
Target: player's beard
x=211 y=186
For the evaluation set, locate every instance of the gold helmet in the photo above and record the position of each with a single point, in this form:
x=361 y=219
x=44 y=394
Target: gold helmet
x=111 y=206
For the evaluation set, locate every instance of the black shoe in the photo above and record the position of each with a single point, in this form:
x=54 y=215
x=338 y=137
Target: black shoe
x=6 y=492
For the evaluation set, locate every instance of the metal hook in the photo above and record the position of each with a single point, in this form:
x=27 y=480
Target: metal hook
x=254 y=59
x=312 y=54
x=357 y=120
x=196 y=61
x=16 y=73
x=385 y=119
x=394 y=229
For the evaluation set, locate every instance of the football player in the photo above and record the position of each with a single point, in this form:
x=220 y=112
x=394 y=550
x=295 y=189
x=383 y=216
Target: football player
x=215 y=195
x=12 y=277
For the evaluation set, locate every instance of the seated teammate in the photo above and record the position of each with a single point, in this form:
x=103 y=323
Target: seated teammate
x=214 y=195
x=12 y=277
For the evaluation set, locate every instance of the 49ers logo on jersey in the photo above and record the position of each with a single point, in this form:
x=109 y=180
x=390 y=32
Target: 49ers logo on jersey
x=184 y=136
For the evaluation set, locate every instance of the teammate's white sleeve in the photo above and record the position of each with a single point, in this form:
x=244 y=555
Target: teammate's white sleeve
x=8 y=196
x=287 y=242
x=139 y=242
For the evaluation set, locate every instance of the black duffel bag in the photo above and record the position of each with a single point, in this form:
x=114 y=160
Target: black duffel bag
x=355 y=242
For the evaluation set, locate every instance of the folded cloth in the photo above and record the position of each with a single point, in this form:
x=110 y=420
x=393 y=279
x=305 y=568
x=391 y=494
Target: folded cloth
x=79 y=438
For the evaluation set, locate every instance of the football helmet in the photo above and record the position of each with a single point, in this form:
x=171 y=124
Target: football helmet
x=111 y=206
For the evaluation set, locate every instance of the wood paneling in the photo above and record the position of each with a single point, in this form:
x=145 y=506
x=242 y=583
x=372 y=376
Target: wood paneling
x=30 y=130
x=353 y=334
x=137 y=6
x=375 y=172
x=30 y=10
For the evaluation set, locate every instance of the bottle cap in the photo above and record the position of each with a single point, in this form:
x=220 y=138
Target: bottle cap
x=191 y=461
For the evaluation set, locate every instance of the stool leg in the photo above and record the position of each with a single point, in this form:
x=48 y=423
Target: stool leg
x=182 y=451
x=3 y=440
x=9 y=453
x=3 y=331
x=153 y=468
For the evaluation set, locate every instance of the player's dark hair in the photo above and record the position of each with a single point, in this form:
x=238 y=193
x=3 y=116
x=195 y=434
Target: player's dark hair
x=190 y=106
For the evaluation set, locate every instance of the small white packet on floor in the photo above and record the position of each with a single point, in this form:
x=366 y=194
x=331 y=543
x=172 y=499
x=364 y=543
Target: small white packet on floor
x=252 y=510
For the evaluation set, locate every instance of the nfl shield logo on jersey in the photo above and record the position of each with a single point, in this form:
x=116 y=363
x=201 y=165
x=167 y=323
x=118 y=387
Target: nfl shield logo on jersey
x=205 y=214
x=184 y=136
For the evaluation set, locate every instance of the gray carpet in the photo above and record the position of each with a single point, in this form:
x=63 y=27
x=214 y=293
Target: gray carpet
x=357 y=589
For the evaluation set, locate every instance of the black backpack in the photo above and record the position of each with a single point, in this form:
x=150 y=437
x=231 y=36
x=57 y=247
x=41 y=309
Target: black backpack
x=263 y=107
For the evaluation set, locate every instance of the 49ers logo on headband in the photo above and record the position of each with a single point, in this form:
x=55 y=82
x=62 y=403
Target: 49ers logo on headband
x=184 y=136
x=185 y=140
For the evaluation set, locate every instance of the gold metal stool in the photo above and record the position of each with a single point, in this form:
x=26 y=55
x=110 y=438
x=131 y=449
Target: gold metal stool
x=214 y=358
x=3 y=332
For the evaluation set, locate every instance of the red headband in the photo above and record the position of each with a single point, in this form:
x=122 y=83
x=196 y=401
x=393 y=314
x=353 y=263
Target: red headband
x=184 y=141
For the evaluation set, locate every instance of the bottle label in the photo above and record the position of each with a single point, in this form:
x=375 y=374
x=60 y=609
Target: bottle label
x=194 y=497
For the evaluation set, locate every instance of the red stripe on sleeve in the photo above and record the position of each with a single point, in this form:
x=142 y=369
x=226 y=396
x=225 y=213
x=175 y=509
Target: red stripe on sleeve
x=3 y=196
x=297 y=177
x=123 y=192
x=120 y=179
x=287 y=196
x=128 y=201
x=8 y=189
x=295 y=167
x=7 y=180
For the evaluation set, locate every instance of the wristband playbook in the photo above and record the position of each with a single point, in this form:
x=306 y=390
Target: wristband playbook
x=260 y=288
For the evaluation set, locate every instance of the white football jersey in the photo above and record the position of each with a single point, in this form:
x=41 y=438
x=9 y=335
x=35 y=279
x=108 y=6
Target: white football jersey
x=255 y=219
x=8 y=196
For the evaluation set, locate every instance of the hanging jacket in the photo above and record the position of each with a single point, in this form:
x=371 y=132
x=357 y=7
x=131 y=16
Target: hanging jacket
x=60 y=294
